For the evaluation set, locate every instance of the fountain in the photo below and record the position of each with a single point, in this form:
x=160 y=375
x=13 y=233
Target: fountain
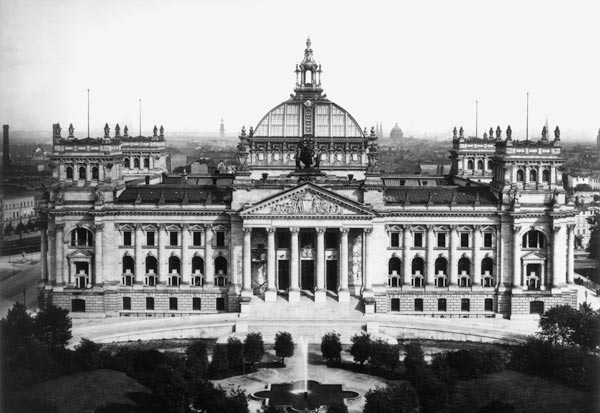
x=304 y=395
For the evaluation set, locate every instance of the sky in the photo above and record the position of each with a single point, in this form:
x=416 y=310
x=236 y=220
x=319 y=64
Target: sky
x=421 y=64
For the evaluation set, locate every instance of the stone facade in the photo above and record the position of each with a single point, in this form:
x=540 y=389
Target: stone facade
x=307 y=212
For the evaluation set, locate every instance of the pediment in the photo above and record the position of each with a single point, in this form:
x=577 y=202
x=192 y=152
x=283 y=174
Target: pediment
x=534 y=256
x=307 y=200
x=80 y=254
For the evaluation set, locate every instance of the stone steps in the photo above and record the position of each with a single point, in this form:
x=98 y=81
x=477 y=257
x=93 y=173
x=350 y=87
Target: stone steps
x=305 y=309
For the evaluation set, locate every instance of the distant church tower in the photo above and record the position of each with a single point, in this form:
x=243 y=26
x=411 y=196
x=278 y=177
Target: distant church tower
x=222 y=129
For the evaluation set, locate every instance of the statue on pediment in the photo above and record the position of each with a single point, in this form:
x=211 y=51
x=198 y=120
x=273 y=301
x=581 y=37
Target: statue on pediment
x=307 y=157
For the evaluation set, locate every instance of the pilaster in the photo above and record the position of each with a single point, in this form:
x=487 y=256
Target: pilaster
x=320 y=293
x=343 y=292
x=294 y=293
x=271 y=292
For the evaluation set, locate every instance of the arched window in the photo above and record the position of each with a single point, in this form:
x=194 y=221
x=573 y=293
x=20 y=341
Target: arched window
x=151 y=265
x=464 y=265
x=69 y=172
x=469 y=164
x=95 y=174
x=533 y=239
x=418 y=265
x=146 y=163
x=546 y=175
x=487 y=266
x=82 y=172
x=82 y=237
x=520 y=175
x=197 y=265
x=128 y=265
x=220 y=265
x=480 y=165
x=308 y=77
x=441 y=265
x=174 y=265
x=532 y=175
x=136 y=163
x=489 y=165
x=394 y=265
x=126 y=163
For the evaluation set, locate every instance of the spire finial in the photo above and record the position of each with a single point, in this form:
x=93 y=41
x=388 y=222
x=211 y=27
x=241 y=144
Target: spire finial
x=308 y=42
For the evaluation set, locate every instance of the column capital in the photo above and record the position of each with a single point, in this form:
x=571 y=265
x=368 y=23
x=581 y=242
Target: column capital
x=99 y=227
x=320 y=230
x=185 y=227
x=247 y=230
x=571 y=227
x=368 y=231
x=477 y=228
x=138 y=227
x=271 y=230
x=59 y=227
x=344 y=230
x=516 y=229
x=429 y=227
x=453 y=228
x=556 y=229
x=294 y=230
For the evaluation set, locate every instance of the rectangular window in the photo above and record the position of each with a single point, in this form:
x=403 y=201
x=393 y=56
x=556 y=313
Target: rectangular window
x=395 y=239
x=283 y=240
x=487 y=240
x=464 y=240
x=149 y=303
x=395 y=304
x=173 y=238
x=220 y=304
x=441 y=239
x=126 y=303
x=418 y=304
x=150 y=238
x=220 y=239
x=465 y=304
x=127 y=238
x=425 y=183
x=331 y=240
x=196 y=304
x=173 y=303
x=441 y=304
x=418 y=239
x=488 y=304
x=197 y=238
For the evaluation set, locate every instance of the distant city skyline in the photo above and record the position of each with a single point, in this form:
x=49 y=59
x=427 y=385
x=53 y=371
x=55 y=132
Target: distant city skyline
x=422 y=65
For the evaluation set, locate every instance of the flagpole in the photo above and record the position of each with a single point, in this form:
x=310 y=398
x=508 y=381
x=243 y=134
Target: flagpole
x=476 y=116
x=140 y=104
x=88 y=123
x=527 y=121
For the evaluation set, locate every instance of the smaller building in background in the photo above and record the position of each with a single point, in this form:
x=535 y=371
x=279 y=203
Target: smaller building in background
x=177 y=160
x=396 y=132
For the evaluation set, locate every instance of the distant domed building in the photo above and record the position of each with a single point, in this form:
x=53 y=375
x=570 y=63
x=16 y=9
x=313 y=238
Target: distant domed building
x=396 y=132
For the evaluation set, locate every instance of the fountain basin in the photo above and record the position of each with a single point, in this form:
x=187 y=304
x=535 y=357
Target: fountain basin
x=294 y=396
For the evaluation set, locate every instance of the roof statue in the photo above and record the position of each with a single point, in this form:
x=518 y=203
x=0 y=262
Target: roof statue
x=306 y=155
x=162 y=130
x=106 y=131
x=117 y=130
x=154 y=131
x=491 y=133
x=544 y=134
x=251 y=131
x=498 y=133
x=71 y=131
x=454 y=132
x=125 y=131
x=508 y=133
x=461 y=132
x=557 y=134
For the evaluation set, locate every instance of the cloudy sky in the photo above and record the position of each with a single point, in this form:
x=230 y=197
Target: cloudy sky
x=422 y=64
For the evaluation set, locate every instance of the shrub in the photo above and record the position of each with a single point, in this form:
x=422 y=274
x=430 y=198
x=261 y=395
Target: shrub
x=331 y=347
x=397 y=398
x=16 y=327
x=361 y=347
x=284 y=345
x=384 y=354
x=442 y=370
x=235 y=354
x=197 y=357
x=433 y=393
x=88 y=355
x=254 y=348
x=414 y=360
x=466 y=364
x=219 y=363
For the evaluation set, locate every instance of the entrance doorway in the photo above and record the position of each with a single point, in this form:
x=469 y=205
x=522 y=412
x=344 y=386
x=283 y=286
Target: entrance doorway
x=332 y=276
x=308 y=274
x=283 y=274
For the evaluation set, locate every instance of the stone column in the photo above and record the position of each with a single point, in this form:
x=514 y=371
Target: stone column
x=406 y=265
x=517 y=276
x=453 y=261
x=430 y=264
x=559 y=253
x=44 y=255
x=570 y=253
x=367 y=276
x=60 y=255
x=247 y=263
x=209 y=263
x=98 y=278
x=294 y=294
x=343 y=292
x=524 y=274
x=320 y=294
x=186 y=265
x=140 y=260
x=476 y=256
x=271 y=292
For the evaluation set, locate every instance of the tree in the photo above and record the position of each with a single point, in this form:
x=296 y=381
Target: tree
x=52 y=326
x=397 y=398
x=219 y=362
x=587 y=330
x=337 y=408
x=361 y=347
x=414 y=359
x=583 y=188
x=331 y=347
x=558 y=325
x=197 y=357
x=284 y=345
x=384 y=354
x=433 y=393
x=254 y=348
x=17 y=327
x=235 y=353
